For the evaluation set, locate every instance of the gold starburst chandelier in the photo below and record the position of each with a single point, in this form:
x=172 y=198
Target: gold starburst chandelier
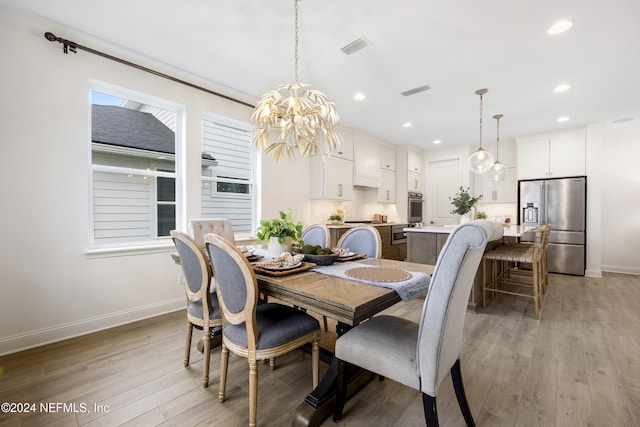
x=294 y=117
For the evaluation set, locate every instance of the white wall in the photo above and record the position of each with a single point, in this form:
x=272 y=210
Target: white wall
x=51 y=286
x=620 y=207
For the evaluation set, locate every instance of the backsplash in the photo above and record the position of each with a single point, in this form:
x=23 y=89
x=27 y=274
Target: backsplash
x=499 y=211
x=362 y=207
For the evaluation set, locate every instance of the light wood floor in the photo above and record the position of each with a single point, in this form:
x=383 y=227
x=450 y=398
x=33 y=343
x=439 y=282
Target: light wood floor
x=578 y=366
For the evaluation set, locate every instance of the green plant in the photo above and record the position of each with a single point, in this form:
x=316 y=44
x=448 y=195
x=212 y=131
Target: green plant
x=335 y=217
x=481 y=215
x=280 y=228
x=463 y=202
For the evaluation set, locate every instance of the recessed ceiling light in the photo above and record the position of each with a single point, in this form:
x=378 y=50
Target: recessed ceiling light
x=561 y=88
x=437 y=141
x=359 y=96
x=407 y=125
x=622 y=120
x=564 y=119
x=560 y=27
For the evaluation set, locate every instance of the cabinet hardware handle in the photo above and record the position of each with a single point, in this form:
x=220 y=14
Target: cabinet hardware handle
x=387 y=194
x=340 y=152
x=339 y=190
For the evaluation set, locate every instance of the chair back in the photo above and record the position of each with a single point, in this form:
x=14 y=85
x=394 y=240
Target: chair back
x=363 y=240
x=195 y=269
x=201 y=226
x=237 y=286
x=317 y=234
x=445 y=306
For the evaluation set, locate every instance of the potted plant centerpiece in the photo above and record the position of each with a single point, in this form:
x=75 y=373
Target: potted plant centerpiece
x=336 y=218
x=464 y=203
x=279 y=233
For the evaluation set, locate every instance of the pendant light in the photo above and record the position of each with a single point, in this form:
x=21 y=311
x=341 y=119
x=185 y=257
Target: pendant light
x=297 y=117
x=481 y=160
x=498 y=171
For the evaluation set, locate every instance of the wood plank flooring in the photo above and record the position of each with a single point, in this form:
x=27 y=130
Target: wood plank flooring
x=577 y=366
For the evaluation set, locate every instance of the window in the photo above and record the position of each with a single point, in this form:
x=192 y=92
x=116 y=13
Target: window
x=228 y=180
x=133 y=167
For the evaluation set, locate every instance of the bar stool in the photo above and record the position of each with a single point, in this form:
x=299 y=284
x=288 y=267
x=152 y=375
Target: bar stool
x=508 y=278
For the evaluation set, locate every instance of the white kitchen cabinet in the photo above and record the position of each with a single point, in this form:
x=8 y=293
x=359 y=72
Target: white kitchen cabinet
x=331 y=179
x=415 y=163
x=552 y=157
x=387 y=158
x=414 y=181
x=505 y=191
x=366 y=162
x=345 y=149
x=387 y=190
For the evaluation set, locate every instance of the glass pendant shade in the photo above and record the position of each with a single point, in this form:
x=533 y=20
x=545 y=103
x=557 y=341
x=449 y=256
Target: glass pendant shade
x=498 y=171
x=481 y=160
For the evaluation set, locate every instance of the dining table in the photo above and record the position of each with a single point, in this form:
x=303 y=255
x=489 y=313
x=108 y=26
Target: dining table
x=345 y=300
x=349 y=301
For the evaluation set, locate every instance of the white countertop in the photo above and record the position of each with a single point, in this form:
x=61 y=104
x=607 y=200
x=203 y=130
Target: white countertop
x=359 y=224
x=509 y=230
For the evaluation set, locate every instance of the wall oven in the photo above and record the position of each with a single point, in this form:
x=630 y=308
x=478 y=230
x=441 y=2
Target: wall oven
x=415 y=207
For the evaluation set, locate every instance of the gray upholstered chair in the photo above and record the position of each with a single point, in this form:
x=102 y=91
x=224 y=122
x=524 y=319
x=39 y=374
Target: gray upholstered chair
x=421 y=355
x=202 y=305
x=200 y=226
x=256 y=332
x=316 y=234
x=362 y=240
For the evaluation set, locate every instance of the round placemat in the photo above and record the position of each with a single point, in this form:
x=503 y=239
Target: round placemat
x=378 y=274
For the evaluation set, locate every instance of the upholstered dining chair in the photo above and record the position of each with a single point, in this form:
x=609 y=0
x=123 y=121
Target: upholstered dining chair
x=363 y=240
x=251 y=330
x=419 y=355
x=316 y=234
x=198 y=227
x=202 y=305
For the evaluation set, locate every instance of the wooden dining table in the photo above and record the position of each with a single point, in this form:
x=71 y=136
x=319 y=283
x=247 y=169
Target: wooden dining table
x=347 y=301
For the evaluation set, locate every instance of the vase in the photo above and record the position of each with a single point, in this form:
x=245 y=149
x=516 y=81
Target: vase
x=465 y=218
x=276 y=249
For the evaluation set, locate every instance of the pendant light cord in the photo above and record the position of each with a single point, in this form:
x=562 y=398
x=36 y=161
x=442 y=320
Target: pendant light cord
x=296 y=43
x=481 y=120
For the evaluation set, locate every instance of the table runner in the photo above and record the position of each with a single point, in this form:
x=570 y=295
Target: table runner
x=416 y=286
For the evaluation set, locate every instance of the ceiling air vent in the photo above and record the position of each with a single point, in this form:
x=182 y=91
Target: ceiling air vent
x=416 y=90
x=354 y=46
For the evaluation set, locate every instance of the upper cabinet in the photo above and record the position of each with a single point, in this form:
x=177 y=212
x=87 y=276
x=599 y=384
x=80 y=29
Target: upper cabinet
x=331 y=178
x=388 y=160
x=415 y=163
x=366 y=163
x=552 y=156
x=345 y=149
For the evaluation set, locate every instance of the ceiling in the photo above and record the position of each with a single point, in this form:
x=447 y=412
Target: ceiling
x=455 y=47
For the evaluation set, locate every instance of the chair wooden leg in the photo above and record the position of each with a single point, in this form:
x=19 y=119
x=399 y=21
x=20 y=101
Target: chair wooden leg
x=207 y=356
x=224 y=364
x=341 y=391
x=456 y=377
x=187 y=344
x=253 y=392
x=326 y=325
x=430 y=410
x=315 y=359
x=484 y=282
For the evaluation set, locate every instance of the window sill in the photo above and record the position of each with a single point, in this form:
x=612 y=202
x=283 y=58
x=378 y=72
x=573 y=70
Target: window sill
x=119 y=251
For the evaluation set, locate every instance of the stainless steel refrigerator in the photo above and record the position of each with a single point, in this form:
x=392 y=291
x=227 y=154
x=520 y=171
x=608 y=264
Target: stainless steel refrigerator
x=562 y=203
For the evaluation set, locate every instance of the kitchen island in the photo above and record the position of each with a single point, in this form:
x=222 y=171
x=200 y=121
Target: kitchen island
x=425 y=243
x=393 y=247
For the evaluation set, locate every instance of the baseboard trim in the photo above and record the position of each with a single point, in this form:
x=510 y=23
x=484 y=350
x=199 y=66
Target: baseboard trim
x=621 y=269
x=37 y=338
x=593 y=273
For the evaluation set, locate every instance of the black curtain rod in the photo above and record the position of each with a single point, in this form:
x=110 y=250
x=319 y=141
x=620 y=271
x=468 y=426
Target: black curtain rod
x=69 y=45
